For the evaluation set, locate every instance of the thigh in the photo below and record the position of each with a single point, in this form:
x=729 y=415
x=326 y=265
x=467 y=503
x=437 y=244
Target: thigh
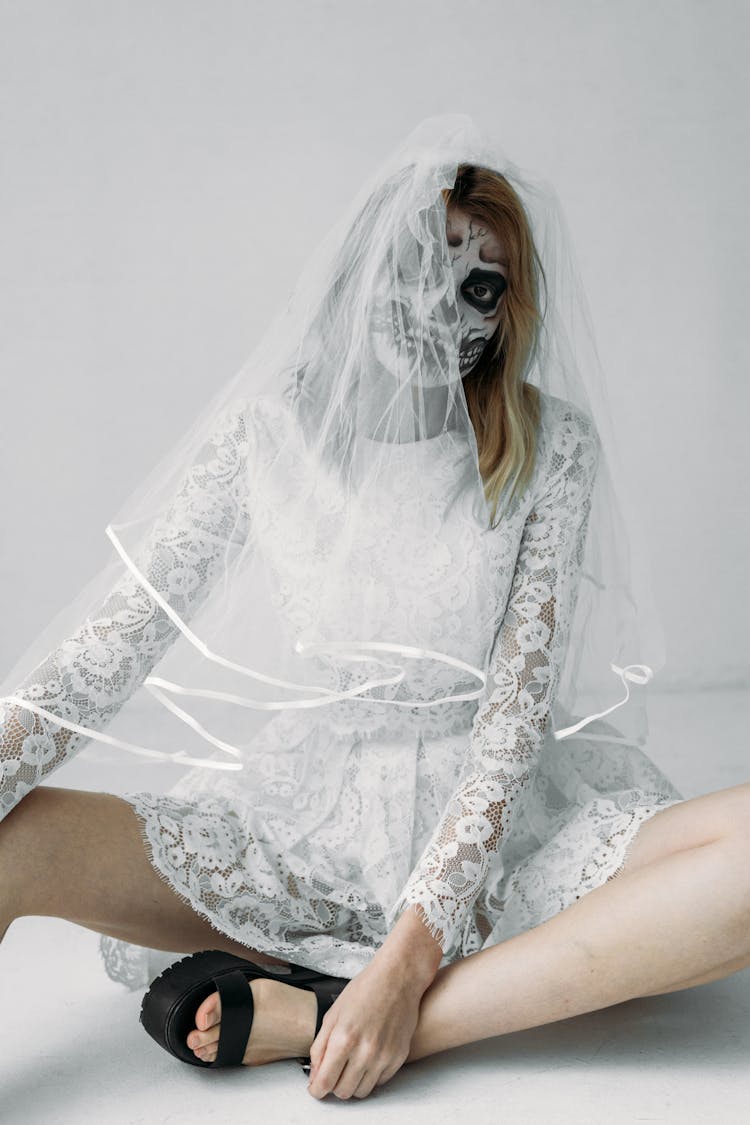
x=691 y=824
x=76 y=855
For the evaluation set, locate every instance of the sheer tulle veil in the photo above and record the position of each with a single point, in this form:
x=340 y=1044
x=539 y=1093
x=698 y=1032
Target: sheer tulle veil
x=361 y=362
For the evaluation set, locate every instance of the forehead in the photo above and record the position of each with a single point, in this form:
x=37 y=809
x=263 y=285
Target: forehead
x=475 y=235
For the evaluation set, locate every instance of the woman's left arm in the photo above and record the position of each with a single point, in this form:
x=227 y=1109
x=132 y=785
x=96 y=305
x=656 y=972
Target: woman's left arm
x=365 y=1035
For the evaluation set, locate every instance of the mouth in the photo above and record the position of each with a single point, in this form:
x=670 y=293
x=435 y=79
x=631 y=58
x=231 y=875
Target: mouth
x=389 y=323
x=469 y=354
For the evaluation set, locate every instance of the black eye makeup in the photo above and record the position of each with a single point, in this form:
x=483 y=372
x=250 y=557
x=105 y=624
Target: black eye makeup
x=483 y=289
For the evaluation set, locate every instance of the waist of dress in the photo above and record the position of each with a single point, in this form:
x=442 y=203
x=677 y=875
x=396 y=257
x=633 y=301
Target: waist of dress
x=372 y=719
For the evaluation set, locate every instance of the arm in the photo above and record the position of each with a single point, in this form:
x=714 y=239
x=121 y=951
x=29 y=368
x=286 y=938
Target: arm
x=91 y=674
x=429 y=916
x=509 y=726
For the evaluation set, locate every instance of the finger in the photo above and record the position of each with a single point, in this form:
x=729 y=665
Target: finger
x=388 y=1073
x=351 y=1077
x=326 y=1078
x=370 y=1079
x=317 y=1051
x=329 y=1070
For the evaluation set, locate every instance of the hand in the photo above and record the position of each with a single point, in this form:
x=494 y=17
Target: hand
x=366 y=1034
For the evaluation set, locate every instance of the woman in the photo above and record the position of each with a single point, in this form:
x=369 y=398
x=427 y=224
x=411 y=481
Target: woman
x=410 y=490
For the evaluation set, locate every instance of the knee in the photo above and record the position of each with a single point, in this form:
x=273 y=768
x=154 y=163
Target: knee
x=735 y=845
x=736 y=813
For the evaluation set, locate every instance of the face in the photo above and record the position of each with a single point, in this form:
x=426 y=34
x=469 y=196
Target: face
x=480 y=268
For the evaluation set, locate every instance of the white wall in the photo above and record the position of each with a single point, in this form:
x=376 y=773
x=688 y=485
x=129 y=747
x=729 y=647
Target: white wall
x=167 y=165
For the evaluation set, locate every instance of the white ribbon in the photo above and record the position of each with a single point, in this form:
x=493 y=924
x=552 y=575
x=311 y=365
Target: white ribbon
x=158 y=686
x=629 y=672
x=177 y=757
x=302 y=647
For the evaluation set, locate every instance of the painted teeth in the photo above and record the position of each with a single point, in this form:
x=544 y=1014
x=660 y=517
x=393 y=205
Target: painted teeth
x=471 y=354
x=467 y=356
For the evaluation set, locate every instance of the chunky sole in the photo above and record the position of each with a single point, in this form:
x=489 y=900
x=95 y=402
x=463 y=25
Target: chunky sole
x=169 y=1006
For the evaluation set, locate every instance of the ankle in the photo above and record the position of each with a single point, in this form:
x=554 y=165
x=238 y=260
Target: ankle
x=293 y=1012
x=306 y=1015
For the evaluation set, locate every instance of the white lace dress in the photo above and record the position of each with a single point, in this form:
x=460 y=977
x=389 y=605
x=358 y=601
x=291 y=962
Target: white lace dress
x=483 y=820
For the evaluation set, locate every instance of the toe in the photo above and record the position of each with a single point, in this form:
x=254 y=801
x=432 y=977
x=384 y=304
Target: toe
x=203 y=1038
x=209 y=1012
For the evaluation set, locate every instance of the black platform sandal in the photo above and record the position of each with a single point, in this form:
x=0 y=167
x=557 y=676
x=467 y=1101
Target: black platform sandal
x=169 y=1006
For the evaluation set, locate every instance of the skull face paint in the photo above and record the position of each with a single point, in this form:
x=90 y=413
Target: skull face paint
x=480 y=268
x=419 y=314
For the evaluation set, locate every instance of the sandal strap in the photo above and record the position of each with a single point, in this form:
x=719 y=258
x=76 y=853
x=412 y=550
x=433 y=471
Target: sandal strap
x=326 y=991
x=236 y=1017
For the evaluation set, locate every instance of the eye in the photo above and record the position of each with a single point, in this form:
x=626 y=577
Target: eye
x=484 y=295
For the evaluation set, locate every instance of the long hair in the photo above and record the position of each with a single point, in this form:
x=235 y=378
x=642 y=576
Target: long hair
x=504 y=409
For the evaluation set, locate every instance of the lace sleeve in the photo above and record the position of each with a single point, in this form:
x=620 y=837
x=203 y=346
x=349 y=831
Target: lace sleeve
x=525 y=666
x=92 y=673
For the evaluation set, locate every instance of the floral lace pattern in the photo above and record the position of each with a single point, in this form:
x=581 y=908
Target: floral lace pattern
x=508 y=729
x=91 y=674
x=471 y=814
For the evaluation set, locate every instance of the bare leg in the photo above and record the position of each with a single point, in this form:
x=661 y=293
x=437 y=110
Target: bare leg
x=80 y=856
x=675 y=917
x=76 y=855
x=644 y=932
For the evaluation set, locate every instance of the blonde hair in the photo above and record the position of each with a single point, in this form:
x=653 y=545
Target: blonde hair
x=503 y=408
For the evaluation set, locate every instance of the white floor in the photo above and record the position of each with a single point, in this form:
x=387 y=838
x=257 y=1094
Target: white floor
x=74 y=1051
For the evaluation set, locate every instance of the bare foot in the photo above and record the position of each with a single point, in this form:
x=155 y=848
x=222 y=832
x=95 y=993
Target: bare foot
x=283 y=1023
